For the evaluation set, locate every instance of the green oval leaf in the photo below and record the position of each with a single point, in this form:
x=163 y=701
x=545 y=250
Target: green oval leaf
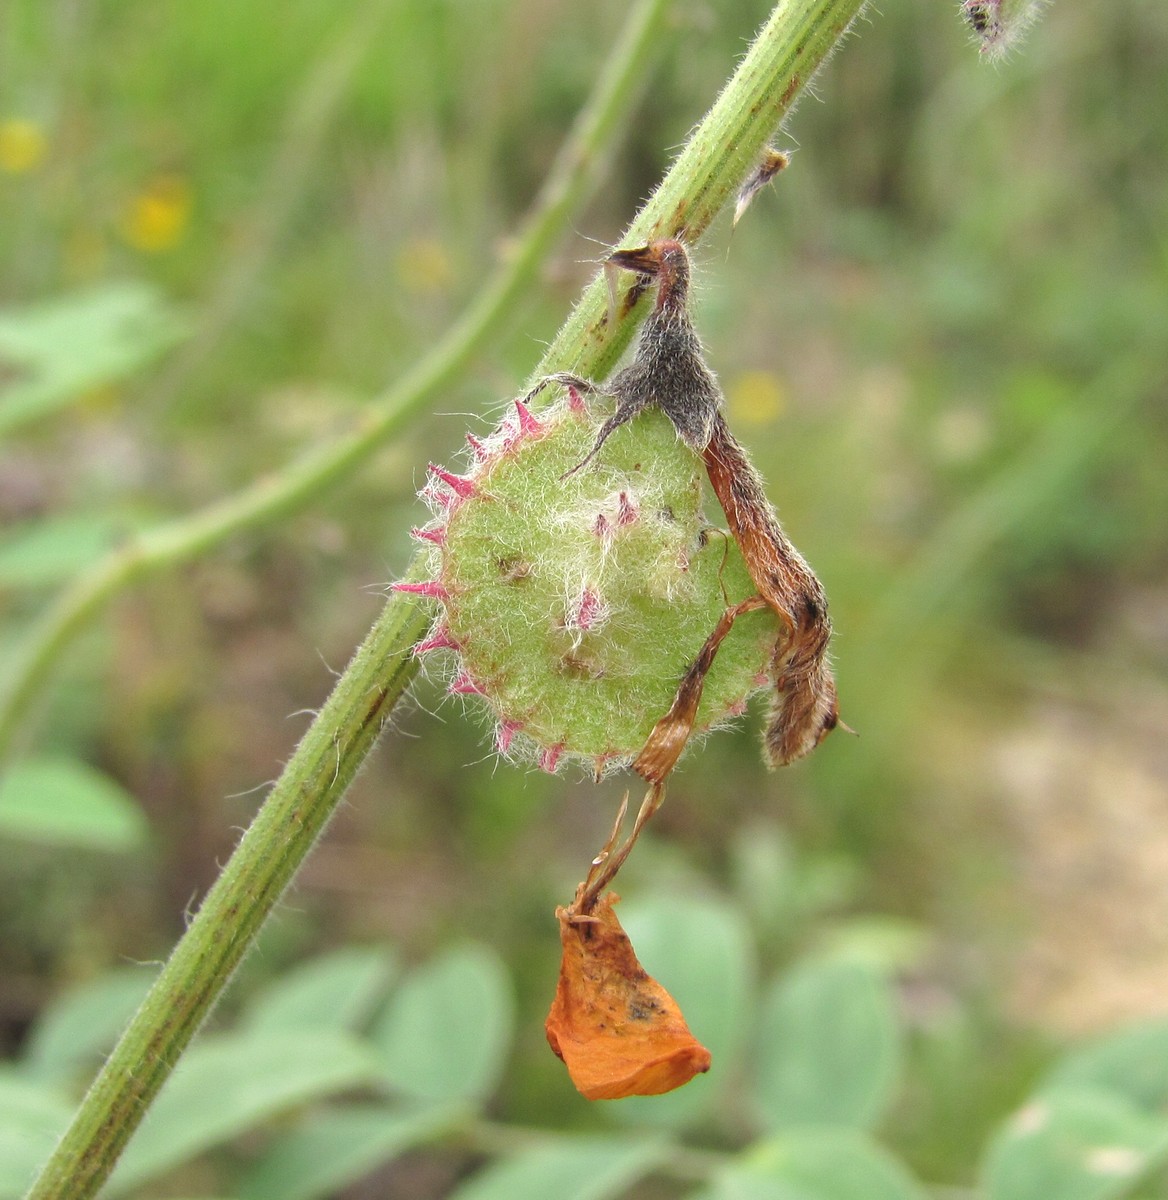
x=1132 y=1063
x=63 y=802
x=817 y=1164
x=62 y=348
x=82 y=1024
x=32 y=1118
x=50 y=551
x=1074 y=1144
x=335 y=991
x=699 y=950
x=591 y=1169
x=227 y=1084
x=830 y=1047
x=447 y=1031
x=329 y=1150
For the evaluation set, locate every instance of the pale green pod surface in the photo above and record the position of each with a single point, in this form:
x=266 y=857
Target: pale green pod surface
x=575 y=605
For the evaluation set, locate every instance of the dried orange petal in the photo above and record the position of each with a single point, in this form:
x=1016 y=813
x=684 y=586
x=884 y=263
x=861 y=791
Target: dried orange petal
x=619 y=1032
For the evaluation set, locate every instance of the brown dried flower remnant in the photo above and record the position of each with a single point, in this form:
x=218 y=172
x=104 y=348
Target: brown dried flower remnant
x=617 y=1030
x=669 y=371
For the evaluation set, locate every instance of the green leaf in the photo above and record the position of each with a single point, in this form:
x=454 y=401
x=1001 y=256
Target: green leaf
x=699 y=950
x=884 y=943
x=1073 y=1144
x=334 y=991
x=1132 y=1063
x=830 y=1047
x=327 y=1151
x=32 y=1118
x=817 y=1164
x=62 y=348
x=738 y=1184
x=50 y=551
x=229 y=1083
x=587 y=1169
x=447 y=1031
x=63 y=802
x=78 y=1027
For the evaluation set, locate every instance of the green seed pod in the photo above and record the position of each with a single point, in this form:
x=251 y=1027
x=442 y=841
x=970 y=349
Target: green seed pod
x=574 y=606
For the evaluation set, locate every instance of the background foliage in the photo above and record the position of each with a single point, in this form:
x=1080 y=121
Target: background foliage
x=933 y=954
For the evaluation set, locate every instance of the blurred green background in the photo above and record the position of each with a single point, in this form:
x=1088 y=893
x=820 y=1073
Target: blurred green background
x=943 y=334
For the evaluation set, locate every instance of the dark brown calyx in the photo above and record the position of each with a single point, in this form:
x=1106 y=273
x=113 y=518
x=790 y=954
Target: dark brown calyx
x=669 y=370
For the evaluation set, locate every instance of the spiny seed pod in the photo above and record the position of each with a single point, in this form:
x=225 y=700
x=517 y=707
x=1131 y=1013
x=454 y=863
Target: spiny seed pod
x=573 y=604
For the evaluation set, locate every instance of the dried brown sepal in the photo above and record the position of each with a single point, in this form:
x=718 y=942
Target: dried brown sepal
x=619 y=1032
x=667 y=740
x=669 y=372
x=773 y=161
x=805 y=708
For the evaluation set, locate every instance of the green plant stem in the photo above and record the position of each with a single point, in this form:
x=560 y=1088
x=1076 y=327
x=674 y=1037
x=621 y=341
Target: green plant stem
x=798 y=36
x=268 y=856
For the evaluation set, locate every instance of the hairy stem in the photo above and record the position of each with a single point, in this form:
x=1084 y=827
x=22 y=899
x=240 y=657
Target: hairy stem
x=798 y=36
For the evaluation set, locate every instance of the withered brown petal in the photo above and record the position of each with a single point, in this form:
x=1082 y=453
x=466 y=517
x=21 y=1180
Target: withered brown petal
x=619 y=1032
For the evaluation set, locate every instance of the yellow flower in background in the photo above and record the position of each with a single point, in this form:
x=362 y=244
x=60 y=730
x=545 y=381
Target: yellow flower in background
x=22 y=145
x=755 y=397
x=157 y=217
x=424 y=266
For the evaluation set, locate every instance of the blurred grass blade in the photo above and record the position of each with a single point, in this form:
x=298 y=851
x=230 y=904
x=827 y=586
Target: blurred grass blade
x=1049 y=466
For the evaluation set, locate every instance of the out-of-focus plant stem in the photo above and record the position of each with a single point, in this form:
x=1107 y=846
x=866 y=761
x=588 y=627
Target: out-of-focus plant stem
x=796 y=39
